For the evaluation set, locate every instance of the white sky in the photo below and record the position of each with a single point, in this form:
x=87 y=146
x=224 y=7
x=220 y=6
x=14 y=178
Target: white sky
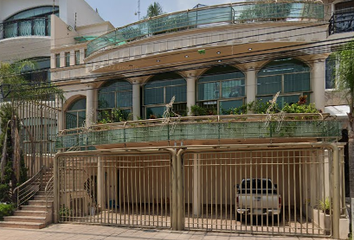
x=122 y=12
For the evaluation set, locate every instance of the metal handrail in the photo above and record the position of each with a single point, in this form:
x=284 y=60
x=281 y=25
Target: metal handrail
x=49 y=190
x=341 y=22
x=27 y=190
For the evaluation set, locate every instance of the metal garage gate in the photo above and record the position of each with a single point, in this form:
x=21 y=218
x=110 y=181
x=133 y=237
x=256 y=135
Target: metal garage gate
x=304 y=184
x=195 y=188
x=124 y=190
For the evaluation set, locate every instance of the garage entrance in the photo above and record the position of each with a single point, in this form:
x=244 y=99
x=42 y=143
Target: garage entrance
x=294 y=200
x=279 y=189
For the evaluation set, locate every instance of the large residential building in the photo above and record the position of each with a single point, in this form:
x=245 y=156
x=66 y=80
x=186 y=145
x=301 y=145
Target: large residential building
x=133 y=154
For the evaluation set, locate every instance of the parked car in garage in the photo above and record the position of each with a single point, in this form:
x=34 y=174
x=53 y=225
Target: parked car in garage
x=258 y=197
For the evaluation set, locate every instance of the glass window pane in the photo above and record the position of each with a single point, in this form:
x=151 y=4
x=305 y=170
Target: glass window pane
x=78 y=105
x=330 y=71
x=227 y=105
x=208 y=91
x=124 y=99
x=155 y=112
x=269 y=85
x=106 y=100
x=154 y=96
x=235 y=88
x=71 y=120
x=296 y=82
x=178 y=91
x=82 y=118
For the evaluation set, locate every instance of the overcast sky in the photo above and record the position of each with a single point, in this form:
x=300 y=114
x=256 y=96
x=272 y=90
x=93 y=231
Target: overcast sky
x=122 y=12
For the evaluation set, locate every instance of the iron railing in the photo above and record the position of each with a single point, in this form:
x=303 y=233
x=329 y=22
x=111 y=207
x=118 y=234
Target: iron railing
x=252 y=126
x=39 y=26
x=28 y=189
x=234 y=13
x=341 y=22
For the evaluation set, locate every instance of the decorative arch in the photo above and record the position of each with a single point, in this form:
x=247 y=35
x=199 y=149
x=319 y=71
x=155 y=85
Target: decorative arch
x=75 y=113
x=291 y=77
x=221 y=89
x=159 y=90
x=115 y=100
x=30 y=22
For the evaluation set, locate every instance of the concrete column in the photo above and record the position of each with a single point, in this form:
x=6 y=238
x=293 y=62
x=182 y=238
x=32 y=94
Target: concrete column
x=90 y=106
x=190 y=92
x=61 y=114
x=318 y=83
x=136 y=100
x=251 y=84
x=196 y=186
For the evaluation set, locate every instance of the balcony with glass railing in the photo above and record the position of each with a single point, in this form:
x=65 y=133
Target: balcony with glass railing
x=208 y=129
x=227 y=14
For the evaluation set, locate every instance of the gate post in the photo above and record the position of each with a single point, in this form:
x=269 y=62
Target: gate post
x=336 y=191
x=180 y=190
x=174 y=208
x=56 y=190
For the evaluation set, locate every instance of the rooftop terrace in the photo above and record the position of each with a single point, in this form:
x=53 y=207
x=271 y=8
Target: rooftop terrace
x=211 y=16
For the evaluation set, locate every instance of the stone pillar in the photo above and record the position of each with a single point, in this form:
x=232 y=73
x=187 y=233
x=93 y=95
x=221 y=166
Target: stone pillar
x=251 y=84
x=318 y=84
x=90 y=105
x=136 y=100
x=191 y=81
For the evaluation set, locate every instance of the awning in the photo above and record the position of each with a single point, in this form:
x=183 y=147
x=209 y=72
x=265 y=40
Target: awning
x=339 y=111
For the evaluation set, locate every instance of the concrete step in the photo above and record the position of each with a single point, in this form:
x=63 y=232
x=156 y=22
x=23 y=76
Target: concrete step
x=39 y=202
x=26 y=225
x=34 y=208
x=43 y=197
x=25 y=219
x=30 y=213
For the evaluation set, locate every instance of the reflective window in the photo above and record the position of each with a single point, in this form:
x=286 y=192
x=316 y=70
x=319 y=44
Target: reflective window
x=115 y=99
x=57 y=60
x=289 y=76
x=330 y=71
x=41 y=71
x=160 y=90
x=67 y=59
x=31 y=22
x=221 y=89
x=77 y=57
x=76 y=114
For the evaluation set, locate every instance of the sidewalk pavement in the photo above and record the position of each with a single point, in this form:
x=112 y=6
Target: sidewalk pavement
x=81 y=232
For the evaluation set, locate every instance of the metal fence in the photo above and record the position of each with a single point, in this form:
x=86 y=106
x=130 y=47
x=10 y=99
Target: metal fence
x=124 y=190
x=195 y=188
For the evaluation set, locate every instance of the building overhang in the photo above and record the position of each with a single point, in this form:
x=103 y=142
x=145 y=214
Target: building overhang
x=13 y=49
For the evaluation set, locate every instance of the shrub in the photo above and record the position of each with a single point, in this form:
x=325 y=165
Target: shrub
x=6 y=210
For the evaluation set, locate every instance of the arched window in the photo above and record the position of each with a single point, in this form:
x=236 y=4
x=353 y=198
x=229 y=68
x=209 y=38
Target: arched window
x=31 y=22
x=115 y=101
x=289 y=76
x=221 y=88
x=160 y=90
x=76 y=114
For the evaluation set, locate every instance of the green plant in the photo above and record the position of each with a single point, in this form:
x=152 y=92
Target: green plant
x=64 y=211
x=198 y=110
x=300 y=108
x=6 y=210
x=325 y=206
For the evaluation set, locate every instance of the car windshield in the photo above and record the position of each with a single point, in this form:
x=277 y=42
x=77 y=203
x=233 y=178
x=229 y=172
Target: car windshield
x=257 y=186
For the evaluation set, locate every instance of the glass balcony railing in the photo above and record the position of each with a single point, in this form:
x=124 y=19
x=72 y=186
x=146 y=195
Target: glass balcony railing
x=236 y=127
x=25 y=27
x=342 y=22
x=234 y=13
